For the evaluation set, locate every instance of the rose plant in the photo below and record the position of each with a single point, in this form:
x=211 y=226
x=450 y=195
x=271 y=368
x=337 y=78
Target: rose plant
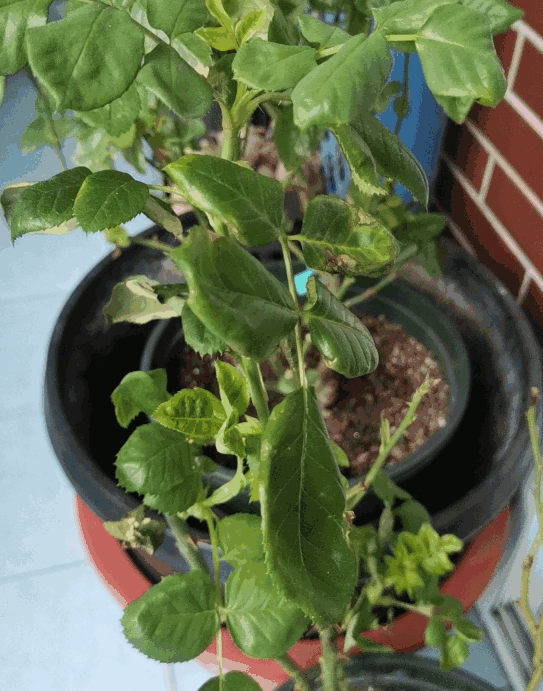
x=138 y=76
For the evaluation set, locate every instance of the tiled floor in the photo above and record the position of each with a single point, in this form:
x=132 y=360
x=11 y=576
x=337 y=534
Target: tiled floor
x=59 y=628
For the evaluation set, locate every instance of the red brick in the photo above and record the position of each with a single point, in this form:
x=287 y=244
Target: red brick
x=533 y=14
x=505 y=45
x=478 y=231
x=471 y=158
x=526 y=86
x=533 y=303
x=515 y=140
x=518 y=215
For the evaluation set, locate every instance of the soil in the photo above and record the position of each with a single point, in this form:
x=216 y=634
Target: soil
x=352 y=408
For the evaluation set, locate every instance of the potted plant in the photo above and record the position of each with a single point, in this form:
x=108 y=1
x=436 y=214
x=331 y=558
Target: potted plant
x=303 y=566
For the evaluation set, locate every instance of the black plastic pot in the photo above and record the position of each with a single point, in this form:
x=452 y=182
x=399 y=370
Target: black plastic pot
x=472 y=479
x=406 y=672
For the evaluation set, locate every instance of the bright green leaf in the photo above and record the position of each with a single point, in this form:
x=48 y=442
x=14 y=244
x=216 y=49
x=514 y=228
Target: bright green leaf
x=261 y=622
x=108 y=198
x=139 y=392
x=161 y=213
x=408 y=16
x=234 y=296
x=339 y=335
x=217 y=37
x=252 y=203
x=48 y=204
x=175 y=82
x=341 y=457
x=231 y=681
x=350 y=81
x=500 y=14
x=194 y=412
x=273 y=66
x=175 y=620
x=338 y=238
x=135 y=300
x=216 y=8
x=250 y=25
x=231 y=488
x=198 y=336
x=158 y=463
x=233 y=386
x=240 y=539
x=436 y=632
x=303 y=505
x=16 y=16
x=87 y=59
x=454 y=653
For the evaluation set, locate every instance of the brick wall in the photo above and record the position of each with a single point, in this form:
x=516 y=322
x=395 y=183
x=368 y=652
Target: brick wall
x=491 y=174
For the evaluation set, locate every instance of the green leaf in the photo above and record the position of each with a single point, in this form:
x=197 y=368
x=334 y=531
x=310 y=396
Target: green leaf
x=412 y=515
x=16 y=16
x=420 y=229
x=231 y=681
x=193 y=50
x=281 y=29
x=454 y=653
x=139 y=392
x=194 y=412
x=428 y=257
x=250 y=25
x=456 y=107
x=408 y=16
x=458 y=57
x=360 y=160
x=108 y=198
x=467 y=630
x=175 y=620
x=293 y=146
x=135 y=300
x=87 y=59
x=341 y=457
x=48 y=204
x=342 y=339
x=320 y=34
x=158 y=463
x=161 y=213
x=217 y=37
x=216 y=8
x=392 y=158
x=387 y=490
x=273 y=66
x=233 y=386
x=117 y=117
x=500 y=14
x=240 y=539
x=231 y=488
x=175 y=82
x=262 y=623
x=349 y=81
x=198 y=336
x=221 y=79
x=303 y=505
x=338 y=238
x=117 y=236
x=449 y=607
x=436 y=632
x=369 y=646
x=10 y=197
x=135 y=531
x=234 y=296
x=177 y=17
x=251 y=203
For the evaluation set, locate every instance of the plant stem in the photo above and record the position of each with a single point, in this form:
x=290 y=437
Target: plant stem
x=185 y=545
x=153 y=244
x=215 y=551
x=230 y=142
x=329 y=660
x=283 y=238
x=356 y=493
x=297 y=674
x=258 y=390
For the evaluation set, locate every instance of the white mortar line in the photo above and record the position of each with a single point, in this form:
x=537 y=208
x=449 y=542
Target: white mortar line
x=526 y=30
x=487 y=176
x=506 y=167
x=524 y=287
x=459 y=235
x=525 y=112
x=515 y=61
x=491 y=217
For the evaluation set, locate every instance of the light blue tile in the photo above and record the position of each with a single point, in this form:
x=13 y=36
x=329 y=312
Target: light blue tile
x=62 y=632
x=36 y=511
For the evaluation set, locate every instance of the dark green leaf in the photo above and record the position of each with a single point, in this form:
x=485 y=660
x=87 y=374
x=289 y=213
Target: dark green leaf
x=449 y=607
x=136 y=531
x=232 y=681
x=116 y=117
x=281 y=30
x=16 y=16
x=175 y=620
x=108 y=198
x=349 y=81
x=422 y=228
x=198 y=336
x=412 y=515
x=303 y=505
x=467 y=630
x=500 y=14
x=139 y=392
x=293 y=146
x=135 y=300
x=387 y=490
x=428 y=257
x=196 y=413
x=47 y=204
x=252 y=203
x=369 y=646
x=175 y=82
x=360 y=160
x=177 y=17
x=262 y=623
x=320 y=34
x=234 y=296
x=157 y=462
x=221 y=79
x=233 y=386
x=272 y=66
x=338 y=238
x=339 y=335
x=240 y=539
x=87 y=59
